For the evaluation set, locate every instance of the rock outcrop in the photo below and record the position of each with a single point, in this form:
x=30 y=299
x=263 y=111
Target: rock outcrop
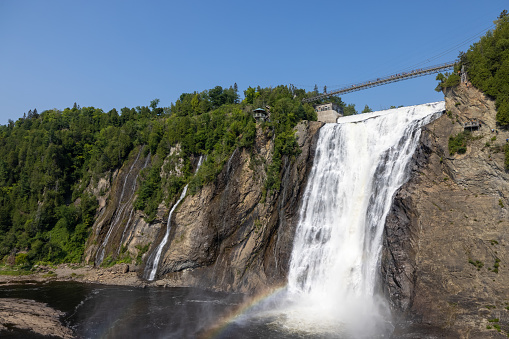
x=225 y=236
x=18 y=315
x=445 y=261
x=230 y=235
x=116 y=216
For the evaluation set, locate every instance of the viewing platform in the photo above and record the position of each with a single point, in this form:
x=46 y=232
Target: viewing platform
x=472 y=125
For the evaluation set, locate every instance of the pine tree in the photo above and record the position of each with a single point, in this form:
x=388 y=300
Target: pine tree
x=236 y=92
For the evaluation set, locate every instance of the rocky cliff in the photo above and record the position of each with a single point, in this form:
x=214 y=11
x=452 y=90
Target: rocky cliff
x=445 y=261
x=227 y=236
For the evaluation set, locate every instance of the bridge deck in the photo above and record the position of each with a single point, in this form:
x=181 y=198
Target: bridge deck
x=386 y=80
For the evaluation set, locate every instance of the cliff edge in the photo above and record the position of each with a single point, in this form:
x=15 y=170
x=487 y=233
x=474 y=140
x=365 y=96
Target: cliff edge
x=445 y=261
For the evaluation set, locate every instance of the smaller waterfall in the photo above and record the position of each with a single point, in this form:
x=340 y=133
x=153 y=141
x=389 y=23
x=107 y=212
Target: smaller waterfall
x=118 y=214
x=126 y=228
x=159 y=251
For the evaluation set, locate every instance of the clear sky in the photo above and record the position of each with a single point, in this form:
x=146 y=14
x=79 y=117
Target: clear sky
x=110 y=54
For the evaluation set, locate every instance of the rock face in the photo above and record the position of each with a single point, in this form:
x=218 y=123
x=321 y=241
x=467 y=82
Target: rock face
x=445 y=261
x=225 y=237
x=228 y=236
x=117 y=218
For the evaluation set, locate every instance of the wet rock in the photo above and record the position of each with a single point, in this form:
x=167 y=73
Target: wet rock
x=29 y=315
x=446 y=230
x=228 y=236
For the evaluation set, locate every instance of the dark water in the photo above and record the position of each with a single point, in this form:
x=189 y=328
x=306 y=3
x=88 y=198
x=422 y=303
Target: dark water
x=98 y=311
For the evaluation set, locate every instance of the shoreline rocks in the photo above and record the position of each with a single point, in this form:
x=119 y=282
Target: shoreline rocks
x=28 y=315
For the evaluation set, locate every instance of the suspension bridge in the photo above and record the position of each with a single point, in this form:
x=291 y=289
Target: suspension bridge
x=386 y=80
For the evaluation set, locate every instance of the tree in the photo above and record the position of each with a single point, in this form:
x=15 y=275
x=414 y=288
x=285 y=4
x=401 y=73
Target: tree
x=154 y=103
x=349 y=110
x=315 y=89
x=250 y=94
x=216 y=96
x=236 y=91
x=325 y=89
x=367 y=109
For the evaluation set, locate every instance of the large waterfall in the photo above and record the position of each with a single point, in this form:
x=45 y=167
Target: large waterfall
x=359 y=164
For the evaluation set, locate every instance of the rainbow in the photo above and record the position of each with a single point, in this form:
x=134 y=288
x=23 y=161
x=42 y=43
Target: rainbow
x=222 y=324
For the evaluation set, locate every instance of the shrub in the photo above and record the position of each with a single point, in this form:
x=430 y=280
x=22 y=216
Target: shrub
x=21 y=259
x=458 y=143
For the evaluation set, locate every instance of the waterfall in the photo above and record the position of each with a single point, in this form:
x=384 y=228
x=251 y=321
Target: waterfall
x=118 y=213
x=126 y=227
x=359 y=164
x=152 y=267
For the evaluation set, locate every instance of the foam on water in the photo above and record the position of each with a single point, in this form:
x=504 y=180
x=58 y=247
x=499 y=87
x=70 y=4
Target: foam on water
x=359 y=164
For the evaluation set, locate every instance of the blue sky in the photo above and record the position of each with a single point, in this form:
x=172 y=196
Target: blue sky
x=110 y=54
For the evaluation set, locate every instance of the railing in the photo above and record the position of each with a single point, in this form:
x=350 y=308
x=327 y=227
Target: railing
x=385 y=80
x=471 y=124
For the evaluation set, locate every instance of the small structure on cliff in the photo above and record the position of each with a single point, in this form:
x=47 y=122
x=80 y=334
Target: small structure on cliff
x=260 y=115
x=472 y=124
x=329 y=112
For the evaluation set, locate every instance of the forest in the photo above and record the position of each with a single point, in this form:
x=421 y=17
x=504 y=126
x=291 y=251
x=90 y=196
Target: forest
x=49 y=160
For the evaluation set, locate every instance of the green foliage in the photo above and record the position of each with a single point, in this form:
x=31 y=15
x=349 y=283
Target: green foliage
x=478 y=264
x=458 y=143
x=218 y=132
x=141 y=251
x=349 y=110
x=496 y=265
x=367 y=109
x=14 y=272
x=447 y=80
x=487 y=65
x=48 y=160
x=21 y=259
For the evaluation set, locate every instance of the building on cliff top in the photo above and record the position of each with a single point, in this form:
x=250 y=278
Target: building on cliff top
x=260 y=115
x=329 y=112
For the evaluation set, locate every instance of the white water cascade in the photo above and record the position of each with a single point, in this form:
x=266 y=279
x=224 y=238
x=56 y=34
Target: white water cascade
x=153 y=266
x=359 y=164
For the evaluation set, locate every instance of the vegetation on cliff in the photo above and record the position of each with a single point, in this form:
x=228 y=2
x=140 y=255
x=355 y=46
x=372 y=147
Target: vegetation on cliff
x=50 y=162
x=47 y=161
x=487 y=65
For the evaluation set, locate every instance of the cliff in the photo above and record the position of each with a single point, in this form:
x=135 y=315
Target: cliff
x=226 y=236
x=446 y=246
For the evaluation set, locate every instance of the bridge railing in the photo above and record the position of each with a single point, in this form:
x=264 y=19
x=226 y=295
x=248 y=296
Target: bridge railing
x=385 y=80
